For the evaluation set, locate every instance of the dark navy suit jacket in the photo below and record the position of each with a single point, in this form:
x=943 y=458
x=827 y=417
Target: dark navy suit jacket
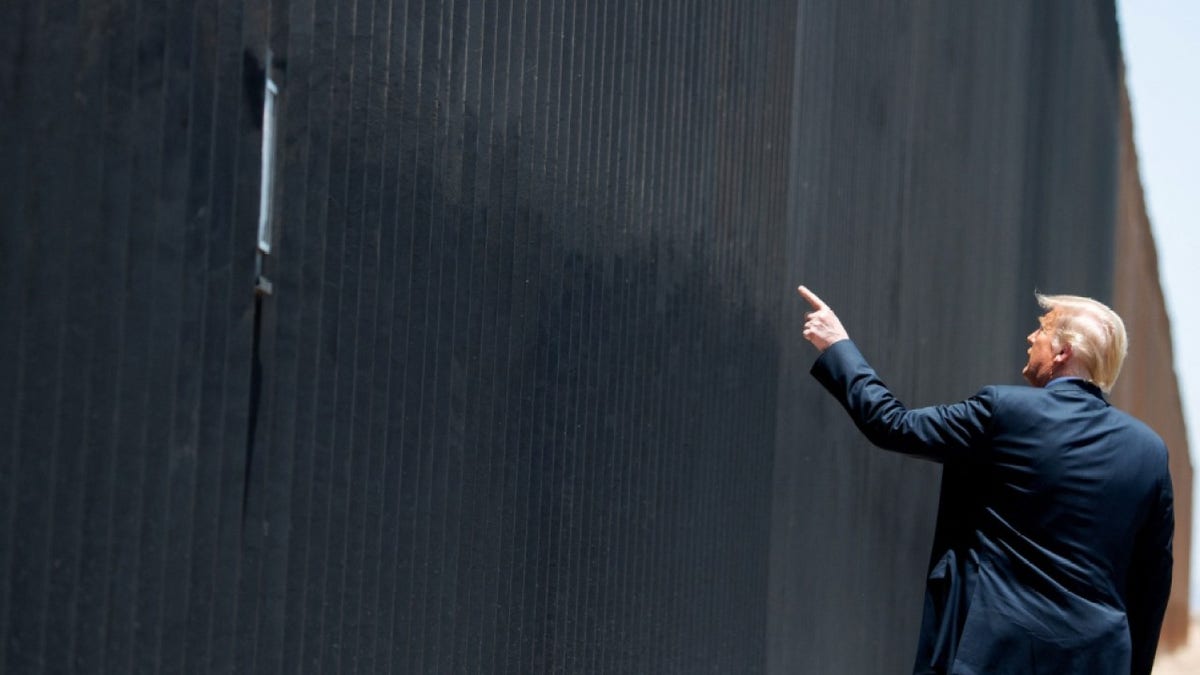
x=1052 y=552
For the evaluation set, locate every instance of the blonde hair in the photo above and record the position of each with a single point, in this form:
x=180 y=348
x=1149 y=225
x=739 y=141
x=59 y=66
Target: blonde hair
x=1095 y=332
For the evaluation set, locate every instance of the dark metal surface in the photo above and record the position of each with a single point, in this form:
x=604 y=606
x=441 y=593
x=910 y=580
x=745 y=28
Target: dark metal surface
x=528 y=393
x=945 y=164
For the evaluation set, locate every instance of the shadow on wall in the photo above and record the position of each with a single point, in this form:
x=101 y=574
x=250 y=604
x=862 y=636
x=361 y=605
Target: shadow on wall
x=563 y=379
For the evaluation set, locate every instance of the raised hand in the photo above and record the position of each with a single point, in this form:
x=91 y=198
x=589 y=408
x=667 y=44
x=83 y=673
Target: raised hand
x=821 y=326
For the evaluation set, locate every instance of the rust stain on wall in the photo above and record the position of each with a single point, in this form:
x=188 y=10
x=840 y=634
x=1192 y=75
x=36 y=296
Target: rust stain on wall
x=1148 y=388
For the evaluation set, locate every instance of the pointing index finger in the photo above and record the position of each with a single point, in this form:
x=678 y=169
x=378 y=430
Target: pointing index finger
x=812 y=298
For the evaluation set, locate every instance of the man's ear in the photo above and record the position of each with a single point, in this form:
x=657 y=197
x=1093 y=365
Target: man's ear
x=1065 y=352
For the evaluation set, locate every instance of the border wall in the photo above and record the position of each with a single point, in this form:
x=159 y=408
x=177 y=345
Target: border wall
x=947 y=162
x=515 y=382
x=1148 y=387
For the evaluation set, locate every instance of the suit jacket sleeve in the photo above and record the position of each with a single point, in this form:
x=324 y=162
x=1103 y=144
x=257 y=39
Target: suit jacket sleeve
x=1149 y=580
x=941 y=433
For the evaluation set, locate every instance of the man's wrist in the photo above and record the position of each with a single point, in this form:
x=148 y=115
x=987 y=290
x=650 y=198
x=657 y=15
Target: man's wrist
x=834 y=342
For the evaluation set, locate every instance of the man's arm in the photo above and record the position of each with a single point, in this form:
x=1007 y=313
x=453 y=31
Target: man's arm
x=937 y=433
x=1149 y=580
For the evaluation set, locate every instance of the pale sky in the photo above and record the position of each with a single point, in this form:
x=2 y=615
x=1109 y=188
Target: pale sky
x=1161 y=41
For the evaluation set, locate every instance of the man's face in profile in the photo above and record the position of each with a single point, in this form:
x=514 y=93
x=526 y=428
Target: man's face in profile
x=1040 y=368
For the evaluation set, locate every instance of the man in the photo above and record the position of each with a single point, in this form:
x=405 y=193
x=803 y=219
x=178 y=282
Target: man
x=1052 y=552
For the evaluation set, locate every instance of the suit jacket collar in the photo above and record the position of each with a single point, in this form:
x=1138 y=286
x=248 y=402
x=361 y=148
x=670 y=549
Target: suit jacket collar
x=1077 y=383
